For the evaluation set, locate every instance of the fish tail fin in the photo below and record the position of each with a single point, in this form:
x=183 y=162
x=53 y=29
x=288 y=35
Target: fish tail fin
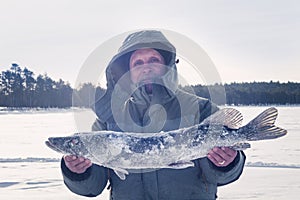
x=262 y=127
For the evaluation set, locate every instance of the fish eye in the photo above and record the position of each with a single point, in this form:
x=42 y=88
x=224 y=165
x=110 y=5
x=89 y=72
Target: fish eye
x=73 y=142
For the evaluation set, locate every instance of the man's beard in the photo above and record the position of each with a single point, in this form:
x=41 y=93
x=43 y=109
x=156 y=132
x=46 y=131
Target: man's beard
x=148 y=82
x=148 y=88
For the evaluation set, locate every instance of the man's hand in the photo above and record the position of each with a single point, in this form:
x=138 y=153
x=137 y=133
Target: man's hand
x=222 y=156
x=77 y=164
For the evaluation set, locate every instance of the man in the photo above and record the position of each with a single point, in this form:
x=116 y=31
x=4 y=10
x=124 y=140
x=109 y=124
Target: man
x=141 y=76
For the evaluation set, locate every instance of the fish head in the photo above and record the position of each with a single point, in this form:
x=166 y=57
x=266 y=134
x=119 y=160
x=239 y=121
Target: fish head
x=67 y=145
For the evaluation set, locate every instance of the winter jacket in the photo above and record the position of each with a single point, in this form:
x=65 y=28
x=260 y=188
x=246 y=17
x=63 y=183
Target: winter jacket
x=128 y=107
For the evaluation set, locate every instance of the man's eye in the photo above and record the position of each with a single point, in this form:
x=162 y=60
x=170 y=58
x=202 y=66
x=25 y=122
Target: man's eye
x=154 y=60
x=138 y=62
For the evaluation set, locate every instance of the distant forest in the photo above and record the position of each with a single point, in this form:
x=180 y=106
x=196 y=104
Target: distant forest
x=20 y=88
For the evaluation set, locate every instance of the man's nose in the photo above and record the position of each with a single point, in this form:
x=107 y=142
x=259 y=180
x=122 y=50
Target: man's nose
x=147 y=68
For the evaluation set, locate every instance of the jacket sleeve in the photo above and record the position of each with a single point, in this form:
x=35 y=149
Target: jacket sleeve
x=232 y=172
x=92 y=182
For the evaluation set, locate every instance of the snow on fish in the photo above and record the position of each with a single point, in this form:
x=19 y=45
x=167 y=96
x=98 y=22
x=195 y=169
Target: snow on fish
x=125 y=152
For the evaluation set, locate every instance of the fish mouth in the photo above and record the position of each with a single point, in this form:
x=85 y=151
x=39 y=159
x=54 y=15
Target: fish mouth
x=51 y=146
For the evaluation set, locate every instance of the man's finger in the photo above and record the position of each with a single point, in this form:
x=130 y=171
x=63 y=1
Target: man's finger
x=229 y=151
x=81 y=167
x=70 y=158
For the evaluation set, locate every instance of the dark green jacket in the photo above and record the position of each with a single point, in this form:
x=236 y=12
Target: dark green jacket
x=128 y=107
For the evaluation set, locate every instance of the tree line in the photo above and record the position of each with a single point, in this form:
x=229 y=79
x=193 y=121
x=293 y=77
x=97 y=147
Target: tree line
x=254 y=93
x=20 y=88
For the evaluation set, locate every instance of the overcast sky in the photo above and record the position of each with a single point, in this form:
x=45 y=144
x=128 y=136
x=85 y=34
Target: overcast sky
x=257 y=40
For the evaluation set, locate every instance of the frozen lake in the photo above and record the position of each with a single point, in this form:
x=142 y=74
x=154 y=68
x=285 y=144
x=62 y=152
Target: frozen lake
x=29 y=170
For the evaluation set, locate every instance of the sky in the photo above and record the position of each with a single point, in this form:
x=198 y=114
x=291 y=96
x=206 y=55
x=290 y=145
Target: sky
x=247 y=41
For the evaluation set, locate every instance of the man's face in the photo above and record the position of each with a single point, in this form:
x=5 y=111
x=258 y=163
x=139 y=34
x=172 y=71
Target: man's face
x=146 y=65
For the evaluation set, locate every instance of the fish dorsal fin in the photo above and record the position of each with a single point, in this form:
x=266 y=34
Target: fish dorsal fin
x=229 y=117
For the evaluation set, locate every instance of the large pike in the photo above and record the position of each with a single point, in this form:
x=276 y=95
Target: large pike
x=123 y=151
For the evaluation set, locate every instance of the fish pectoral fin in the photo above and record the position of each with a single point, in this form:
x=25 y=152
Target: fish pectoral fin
x=241 y=146
x=121 y=173
x=181 y=165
